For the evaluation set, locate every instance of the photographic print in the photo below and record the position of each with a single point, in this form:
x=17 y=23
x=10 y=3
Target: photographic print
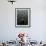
x=22 y=17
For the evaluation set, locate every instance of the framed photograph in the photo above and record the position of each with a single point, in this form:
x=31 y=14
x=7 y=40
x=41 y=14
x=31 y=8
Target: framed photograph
x=22 y=17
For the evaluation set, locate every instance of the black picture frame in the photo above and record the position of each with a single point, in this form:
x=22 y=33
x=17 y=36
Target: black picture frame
x=22 y=17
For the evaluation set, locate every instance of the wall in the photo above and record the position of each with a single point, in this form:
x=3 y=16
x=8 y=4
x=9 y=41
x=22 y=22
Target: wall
x=8 y=31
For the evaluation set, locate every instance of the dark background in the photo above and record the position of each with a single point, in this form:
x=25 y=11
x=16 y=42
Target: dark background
x=22 y=17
